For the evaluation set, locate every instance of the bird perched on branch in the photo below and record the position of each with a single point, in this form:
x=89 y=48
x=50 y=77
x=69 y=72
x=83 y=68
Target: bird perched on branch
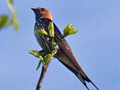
x=63 y=51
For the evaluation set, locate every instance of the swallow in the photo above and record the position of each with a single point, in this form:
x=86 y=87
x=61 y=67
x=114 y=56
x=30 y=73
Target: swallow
x=63 y=51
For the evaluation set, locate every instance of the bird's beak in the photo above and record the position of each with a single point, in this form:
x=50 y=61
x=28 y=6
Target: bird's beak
x=33 y=9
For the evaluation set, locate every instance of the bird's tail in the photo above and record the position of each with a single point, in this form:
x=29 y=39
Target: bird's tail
x=80 y=76
x=75 y=67
x=94 y=85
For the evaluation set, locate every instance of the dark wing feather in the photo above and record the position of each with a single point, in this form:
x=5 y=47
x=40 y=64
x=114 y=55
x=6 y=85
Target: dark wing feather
x=63 y=45
x=68 y=58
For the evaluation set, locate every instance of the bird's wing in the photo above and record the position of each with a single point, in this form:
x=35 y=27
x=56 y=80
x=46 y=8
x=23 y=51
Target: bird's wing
x=65 y=48
x=67 y=57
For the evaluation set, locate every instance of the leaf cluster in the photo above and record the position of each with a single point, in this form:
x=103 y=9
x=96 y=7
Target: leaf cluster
x=43 y=56
x=4 y=19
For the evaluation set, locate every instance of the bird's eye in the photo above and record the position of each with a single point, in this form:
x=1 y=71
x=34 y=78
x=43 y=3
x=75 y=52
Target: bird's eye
x=42 y=9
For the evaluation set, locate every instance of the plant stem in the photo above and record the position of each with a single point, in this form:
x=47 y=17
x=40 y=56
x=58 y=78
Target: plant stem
x=44 y=69
x=62 y=37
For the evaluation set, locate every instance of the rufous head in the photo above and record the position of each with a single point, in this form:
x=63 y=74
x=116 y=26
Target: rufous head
x=42 y=13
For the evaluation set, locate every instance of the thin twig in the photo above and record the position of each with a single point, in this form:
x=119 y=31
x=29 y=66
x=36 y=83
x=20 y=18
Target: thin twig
x=44 y=69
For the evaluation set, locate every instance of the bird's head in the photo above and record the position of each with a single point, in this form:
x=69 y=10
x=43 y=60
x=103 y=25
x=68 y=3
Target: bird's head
x=42 y=13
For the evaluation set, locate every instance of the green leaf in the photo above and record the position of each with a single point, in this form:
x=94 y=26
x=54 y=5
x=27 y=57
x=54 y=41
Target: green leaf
x=35 y=53
x=16 y=25
x=47 y=58
x=15 y=21
x=38 y=65
x=8 y=23
x=14 y=16
x=72 y=31
x=3 y=19
x=40 y=32
x=10 y=1
x=13 y=12
x=51 y=29
x=67 y=28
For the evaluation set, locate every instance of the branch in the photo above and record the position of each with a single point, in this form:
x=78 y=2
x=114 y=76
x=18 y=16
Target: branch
x=44 y=69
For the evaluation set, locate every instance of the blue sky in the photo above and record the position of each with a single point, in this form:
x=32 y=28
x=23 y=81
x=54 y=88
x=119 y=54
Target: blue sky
x=96 y=45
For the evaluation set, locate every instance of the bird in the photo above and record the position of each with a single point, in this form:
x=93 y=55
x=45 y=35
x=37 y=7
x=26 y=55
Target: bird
x=63 y=51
